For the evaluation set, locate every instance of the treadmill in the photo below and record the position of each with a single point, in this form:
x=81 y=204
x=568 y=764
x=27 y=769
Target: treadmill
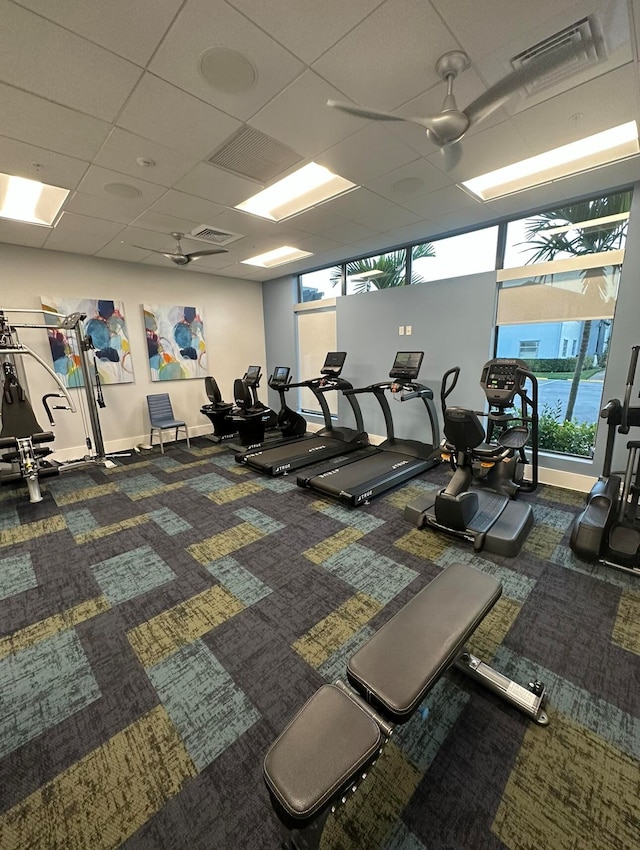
x=393 y=461
x=330 y=442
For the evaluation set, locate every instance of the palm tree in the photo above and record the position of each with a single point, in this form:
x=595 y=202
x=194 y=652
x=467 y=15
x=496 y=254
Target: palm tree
x=579 y=241
x=391 y=265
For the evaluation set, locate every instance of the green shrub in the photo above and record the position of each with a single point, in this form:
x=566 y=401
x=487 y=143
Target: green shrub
x=558 y=435
x=558 y=364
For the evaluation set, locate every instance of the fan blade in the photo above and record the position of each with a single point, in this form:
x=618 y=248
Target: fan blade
x=498 y=94
x=376 y=115
x=150 y=250
x=452 y=154
x=195 y=255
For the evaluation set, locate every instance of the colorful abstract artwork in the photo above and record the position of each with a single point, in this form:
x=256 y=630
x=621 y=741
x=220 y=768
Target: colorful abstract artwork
x=105 y=324
x=175 y=342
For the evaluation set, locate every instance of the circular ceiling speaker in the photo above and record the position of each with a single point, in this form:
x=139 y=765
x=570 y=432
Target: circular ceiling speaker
x=408 y=185
x=122 y=190
x=227 y=70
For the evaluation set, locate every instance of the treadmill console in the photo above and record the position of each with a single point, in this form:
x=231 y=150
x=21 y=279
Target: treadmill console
x=406 y=366
x=252 y=376
x=501 y=380
x=333 y=363
x=280 y=377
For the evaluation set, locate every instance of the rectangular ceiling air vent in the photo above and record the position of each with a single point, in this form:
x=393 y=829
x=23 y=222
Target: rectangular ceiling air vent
x=584 y=45
x=250 y=153
x=214 y=235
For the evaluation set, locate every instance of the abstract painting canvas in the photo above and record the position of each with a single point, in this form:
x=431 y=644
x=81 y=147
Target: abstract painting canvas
x=175 y=342
x=106 y=325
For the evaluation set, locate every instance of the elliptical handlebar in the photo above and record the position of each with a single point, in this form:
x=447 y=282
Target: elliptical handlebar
x=624 y=425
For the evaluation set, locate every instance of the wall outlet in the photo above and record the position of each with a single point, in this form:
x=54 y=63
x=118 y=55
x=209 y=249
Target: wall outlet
x=408 y=330
x=401 y=330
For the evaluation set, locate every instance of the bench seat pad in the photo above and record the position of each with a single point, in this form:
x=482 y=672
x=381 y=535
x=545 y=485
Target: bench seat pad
x=398 y=665
x=329 y=741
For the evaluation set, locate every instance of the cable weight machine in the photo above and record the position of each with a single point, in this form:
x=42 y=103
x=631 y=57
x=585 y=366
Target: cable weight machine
x=21 y=435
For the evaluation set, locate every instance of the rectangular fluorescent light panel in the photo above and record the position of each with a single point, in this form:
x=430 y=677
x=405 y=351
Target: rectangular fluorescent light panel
x=30 y=201
x=600 y=149
x=305 y=188
x=277 y=257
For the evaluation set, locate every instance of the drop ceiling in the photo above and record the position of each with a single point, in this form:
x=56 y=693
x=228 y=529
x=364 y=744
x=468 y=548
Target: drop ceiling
x=144 y=95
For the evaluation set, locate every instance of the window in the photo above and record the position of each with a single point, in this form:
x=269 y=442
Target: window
x=314 y=286
x=455 y=256
x=528 y=348
x=316 y=336
x=559 y=286
x=381 y=272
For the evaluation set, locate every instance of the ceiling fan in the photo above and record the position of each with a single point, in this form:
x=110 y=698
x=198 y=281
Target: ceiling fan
x=179 y=257
x=448 y=126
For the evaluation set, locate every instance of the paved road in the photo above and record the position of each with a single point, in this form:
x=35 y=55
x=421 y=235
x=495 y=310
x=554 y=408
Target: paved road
x=588 y=401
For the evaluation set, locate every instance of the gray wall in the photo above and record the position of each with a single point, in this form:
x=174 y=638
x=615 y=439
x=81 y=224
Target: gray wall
x=451 y=322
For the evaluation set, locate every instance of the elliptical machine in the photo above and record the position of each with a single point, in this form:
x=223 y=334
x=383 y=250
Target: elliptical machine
x=608 y=529
x=477 y=505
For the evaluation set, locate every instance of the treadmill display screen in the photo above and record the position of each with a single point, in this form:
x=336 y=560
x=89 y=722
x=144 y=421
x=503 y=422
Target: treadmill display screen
x=407 y=365
x=333 y=363
x=280 y=375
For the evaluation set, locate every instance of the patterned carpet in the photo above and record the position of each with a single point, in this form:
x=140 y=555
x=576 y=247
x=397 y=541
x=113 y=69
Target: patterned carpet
x=163 y=620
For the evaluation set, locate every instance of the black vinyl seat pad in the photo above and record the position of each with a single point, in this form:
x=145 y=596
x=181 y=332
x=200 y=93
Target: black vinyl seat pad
x=399 y=664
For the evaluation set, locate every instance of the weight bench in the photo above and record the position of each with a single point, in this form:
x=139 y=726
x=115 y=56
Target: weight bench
x=323 y=754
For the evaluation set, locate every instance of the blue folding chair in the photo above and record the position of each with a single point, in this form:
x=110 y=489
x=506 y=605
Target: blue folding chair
x=161 y=417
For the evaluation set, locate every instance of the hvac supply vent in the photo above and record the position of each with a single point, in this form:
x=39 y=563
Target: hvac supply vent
x=253 y=154
x=213 y=235
x=588 y=49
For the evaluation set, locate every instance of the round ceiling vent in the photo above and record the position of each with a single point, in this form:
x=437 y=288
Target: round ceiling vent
x=227 y=70
x=122 y=190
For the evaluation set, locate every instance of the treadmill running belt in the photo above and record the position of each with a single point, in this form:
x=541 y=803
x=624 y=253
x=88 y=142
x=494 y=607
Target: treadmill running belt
x=279 y=460
x=356 y=482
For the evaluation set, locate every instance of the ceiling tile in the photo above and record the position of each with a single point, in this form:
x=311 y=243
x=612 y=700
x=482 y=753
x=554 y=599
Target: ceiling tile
x=39 y=122
x=214 y=184
x=206 y=24
x=163 y=113
x=122 y=149
x=132 y=30
x=379 y=63
x=38 y=164
x=348 y=232
x=164 y=223
x=97 y=179
x=52 y=62
x=389 y=219
x=384 y=152
x=483 y=33
x=585 y=110
x=434 y=204
x=187 y=206
x=18 y=233
x=113 y=209
x=305 y=27
x=409 y=182
x=292 y=117
x=81 y=234
x=357 y=204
